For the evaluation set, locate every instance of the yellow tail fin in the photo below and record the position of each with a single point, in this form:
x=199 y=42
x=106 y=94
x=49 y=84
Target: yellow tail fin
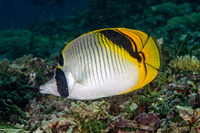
x=152 y=59
x=151 y=53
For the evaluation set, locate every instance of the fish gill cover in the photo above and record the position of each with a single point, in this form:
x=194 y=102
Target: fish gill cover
x=169 y=104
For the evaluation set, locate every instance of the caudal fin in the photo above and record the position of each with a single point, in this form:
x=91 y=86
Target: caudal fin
x=147 y=45
x=150 y=50
x=152 y=59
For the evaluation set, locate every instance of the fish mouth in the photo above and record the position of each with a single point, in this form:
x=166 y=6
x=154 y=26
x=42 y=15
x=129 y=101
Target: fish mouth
x=46 y=89
x=42 y=89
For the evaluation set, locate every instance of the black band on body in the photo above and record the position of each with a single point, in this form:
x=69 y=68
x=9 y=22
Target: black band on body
x=122 y=40
x=61 y=82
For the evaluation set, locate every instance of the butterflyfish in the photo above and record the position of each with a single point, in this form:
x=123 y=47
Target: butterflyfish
x=104 y=63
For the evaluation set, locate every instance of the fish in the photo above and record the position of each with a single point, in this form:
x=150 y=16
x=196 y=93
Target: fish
x=104 y=63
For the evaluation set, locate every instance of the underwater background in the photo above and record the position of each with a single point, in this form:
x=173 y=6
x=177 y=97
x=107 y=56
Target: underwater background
x=34 y=32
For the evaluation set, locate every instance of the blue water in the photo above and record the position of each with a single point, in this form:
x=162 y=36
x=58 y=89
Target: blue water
x=15 y=14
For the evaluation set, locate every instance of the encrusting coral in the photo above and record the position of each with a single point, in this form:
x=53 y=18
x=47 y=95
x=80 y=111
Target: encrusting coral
x=63 y=114
x=185 y=63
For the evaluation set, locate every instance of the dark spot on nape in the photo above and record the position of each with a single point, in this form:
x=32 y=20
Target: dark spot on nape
x=61 y=60
x=118 y=38
x=61 y=82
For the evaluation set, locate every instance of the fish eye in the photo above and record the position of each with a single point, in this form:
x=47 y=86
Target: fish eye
x=61 y=60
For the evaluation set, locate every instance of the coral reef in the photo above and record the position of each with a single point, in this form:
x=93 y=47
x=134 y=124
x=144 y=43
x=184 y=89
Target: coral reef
x=157 y=107
x=171 y=103
x=18 y=85
x=185 y=63
x=173 y=97
x=166 y=105
x=63 y=114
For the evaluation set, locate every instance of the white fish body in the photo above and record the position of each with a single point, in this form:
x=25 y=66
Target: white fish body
x=96 y=65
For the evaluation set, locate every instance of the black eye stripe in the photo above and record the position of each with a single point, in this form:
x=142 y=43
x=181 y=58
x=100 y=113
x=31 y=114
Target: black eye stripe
x=61 y=82
x=61 y=60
